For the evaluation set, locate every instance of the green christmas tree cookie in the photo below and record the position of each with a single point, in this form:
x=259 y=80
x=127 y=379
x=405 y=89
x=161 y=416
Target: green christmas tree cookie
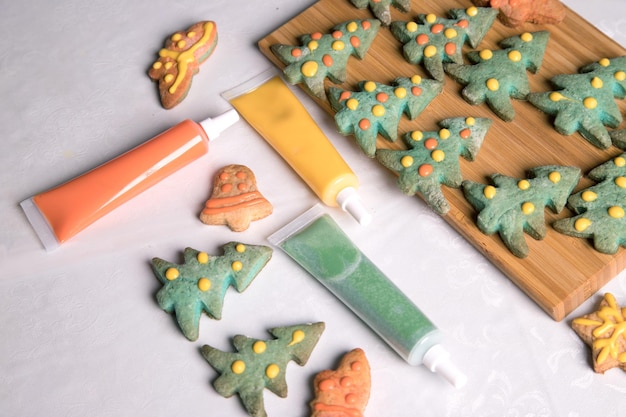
x=496 y=77
x=433 y=40
x=377 y=108
x=600 y=208
x=432 y=158
x=326 y=55
x=260 y=364
x=381 y=8
x=513 y=206
x=618 y=138
x=585 y=102
x=200 y=283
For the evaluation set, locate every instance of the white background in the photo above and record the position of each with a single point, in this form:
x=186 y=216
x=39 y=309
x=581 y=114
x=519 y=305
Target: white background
x=80 y=331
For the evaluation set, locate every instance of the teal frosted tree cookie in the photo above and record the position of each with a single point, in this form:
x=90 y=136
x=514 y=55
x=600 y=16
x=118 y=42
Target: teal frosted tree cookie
x=512 y=206
x=200 y=283
x=600 y=208
x=432 y=40
x=497 y=76
x=377 y=108
x=381 y=8
x=432 y=158
x=260 y=364
x=322 y=56
x=585 y=102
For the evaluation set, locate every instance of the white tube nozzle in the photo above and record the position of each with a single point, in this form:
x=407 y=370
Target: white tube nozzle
x=350 y=202
x=437 y=359
x=213 y=127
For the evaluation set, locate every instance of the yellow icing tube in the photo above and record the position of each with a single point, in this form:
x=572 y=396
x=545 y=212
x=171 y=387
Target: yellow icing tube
x=60 y=213
x=272 y=109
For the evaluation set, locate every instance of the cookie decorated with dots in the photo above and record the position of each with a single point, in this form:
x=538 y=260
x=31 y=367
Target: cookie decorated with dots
x=322 y=56
x=200 y=283
x=259 y=364
x=180 y=60
x=382 y=8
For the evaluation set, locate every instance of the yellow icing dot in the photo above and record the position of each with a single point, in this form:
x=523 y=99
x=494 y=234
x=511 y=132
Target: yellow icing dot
x=431 y=18
x=202 y=257
x=589 y=196
x=450 y=33
x=176 y=37
x=620 y=161
x=444 y=134
x=430 y=51
x=352 y=104
x=157 y=65
x=168 y=65
x=596 y=82
x=605 y=62
x=238 y=366
x=582 y=224
x=486 y=54
x=417 y=135
x=369 y=86
x=471 y=11
x=241 y=248
x=400 y=92
x=237 y=266
x=378 y=110
x=411 y=27
x=523 y=185
x=438 y=155
x=191 y=34
x=493 y=84
x=168 y=78
x=416 y=79
x=181 y=44
x=620 y=75
x=338 y=46
x=556 y=96
x=204 y=284
x=309 y=69
x=272 y=371
x=406 y=161
x=489 y=192
x=172 y=273
x=313 y=45
x=590 y=103
x=526 y=37
x=554 y=176
x=528 y=208
x=515 y=56
x=297 y=337
x=470 y=121
x=616 y=212
x=352 y=27
x=259 y=347
x=620 y=182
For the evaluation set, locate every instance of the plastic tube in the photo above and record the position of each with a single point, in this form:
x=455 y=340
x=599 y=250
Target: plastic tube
x=60 y=213
x=277 y=115
x=319 y=245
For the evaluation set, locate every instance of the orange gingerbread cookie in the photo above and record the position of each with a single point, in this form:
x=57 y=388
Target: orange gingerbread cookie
x=344 y=391
x=604 y=331
x=514 y=13
x=180 y=60
x=235 y=200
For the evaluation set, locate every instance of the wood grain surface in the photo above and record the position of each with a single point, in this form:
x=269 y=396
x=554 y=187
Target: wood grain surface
x=560 y=271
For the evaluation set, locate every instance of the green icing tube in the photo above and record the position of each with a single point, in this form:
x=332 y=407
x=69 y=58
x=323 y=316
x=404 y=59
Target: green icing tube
x=319 y=245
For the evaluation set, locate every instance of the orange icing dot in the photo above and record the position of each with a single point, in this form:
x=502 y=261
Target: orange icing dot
x=422 y=39
x=346 y=381
x=430 y=143
x=425 y=170
x=450 y=48
x=382 y=97
x=224 y=176
x=337 y=34
x=327 y=60
x=356 y=365
x=463 y=23
x=226 y=187
x=465 y=133
x=242 y=186
x=326 y=385
x=351 y=398
x=366 y=24
x=344 y=95
x=438 y=28
x=316 y=36
x=355 y=41
x=416 y=91
x=364 y=124
x=241 y=175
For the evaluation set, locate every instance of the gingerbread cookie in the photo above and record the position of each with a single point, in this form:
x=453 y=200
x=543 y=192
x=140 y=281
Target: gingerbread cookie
x=344 y=391
x=604 y=331
x=180 y=60
x=377 y=108
x=514 y=13
x=513 y=206
x=324 y=56
x=496 y=77
x=585 y=102
x=260 y=364
x=235 y=200
x=433 y=40
x=381 y=8
x=200 y=283
x=432 y=158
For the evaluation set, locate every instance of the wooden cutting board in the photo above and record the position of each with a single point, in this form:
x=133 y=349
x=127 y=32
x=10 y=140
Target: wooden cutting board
x=560 y=272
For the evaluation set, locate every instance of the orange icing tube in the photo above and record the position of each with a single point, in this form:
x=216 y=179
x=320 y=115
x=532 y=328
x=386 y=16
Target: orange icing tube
x=62 y=212
x=277 y=115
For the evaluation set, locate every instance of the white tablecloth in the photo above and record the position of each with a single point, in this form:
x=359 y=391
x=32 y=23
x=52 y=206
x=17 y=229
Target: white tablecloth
x=80 y=331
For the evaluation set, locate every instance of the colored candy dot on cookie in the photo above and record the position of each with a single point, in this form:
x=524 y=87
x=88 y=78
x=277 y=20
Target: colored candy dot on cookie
x=616 y=212
x=582 y=224
x=489 y=192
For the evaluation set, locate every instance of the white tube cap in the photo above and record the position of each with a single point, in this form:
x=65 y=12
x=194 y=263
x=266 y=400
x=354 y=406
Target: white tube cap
x=437 y=359
x=348 y=199
x=213 y=127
